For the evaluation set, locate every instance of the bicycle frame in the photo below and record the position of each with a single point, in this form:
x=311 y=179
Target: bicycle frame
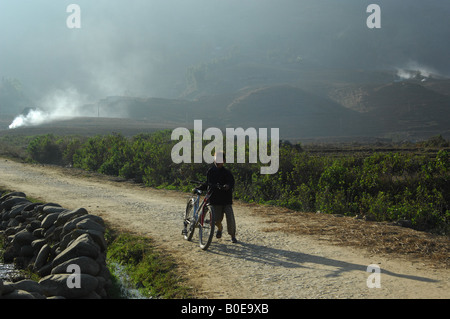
x=201 y=217
x=200 y=207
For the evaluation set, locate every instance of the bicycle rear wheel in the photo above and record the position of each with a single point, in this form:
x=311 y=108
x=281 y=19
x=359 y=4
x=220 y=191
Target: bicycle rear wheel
x=206 y=227
x=189 y=221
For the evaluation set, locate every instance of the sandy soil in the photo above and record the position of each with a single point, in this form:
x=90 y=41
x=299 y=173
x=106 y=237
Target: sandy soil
x=266 y=263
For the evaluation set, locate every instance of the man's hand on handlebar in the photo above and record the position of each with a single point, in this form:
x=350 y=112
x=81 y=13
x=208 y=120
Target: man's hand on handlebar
x=225 y=187
x=222 y=187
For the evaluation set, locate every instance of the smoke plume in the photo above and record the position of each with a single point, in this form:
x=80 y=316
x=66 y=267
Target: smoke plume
x=414 y=70
x=60 y=104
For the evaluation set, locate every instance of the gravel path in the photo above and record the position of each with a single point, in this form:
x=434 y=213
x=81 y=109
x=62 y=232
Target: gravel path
x=262 y=265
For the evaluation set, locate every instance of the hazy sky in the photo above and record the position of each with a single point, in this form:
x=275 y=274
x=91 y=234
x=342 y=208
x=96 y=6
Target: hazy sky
x=143 y=47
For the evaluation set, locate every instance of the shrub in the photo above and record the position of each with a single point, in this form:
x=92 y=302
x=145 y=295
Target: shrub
x=44 y=149
x=387 y=186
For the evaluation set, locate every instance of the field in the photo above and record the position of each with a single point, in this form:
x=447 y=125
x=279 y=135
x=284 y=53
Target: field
x=376 y=180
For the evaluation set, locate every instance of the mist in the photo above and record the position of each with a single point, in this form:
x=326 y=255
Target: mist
x=58 y=105
x=413 y=70
x=63 y=104
x=145 y=47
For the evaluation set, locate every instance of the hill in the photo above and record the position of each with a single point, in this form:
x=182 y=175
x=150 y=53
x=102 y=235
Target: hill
x=90 y=126
x=305 y=103
x=296 y=112
x=410 y=108
x=342 y=105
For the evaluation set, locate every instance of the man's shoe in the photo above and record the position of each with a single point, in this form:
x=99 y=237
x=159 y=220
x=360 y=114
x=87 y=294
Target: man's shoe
x=219 y=234
x=234 y=240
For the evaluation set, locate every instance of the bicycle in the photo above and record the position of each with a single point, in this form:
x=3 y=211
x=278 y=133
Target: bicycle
x=201 y=216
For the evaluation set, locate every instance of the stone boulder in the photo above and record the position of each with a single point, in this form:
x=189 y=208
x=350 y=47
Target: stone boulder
x=82 y=246
x=62 y=246
x=87 y=266
x=69 y=285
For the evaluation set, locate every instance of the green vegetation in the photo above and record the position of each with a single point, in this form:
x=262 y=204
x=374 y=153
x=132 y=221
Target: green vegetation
x=154 y=272
x=383 y=186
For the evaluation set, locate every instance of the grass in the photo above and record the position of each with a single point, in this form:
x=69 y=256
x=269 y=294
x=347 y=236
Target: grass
x=151 y=270
x=376 y=237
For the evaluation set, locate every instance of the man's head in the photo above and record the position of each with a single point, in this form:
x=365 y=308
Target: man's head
x=219 y=159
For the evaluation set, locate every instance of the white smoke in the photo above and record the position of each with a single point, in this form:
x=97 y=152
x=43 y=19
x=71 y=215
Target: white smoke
x=60 y=104
x=414 y=70
x=33 y=117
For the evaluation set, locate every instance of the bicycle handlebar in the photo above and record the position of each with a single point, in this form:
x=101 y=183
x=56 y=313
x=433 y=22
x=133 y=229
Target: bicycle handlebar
x=210 y=186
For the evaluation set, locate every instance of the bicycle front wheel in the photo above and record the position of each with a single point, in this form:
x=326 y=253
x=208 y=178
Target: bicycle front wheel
x=189 y=221
x=206 y=227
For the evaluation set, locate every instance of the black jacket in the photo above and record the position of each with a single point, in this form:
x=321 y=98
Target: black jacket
x=220 y=176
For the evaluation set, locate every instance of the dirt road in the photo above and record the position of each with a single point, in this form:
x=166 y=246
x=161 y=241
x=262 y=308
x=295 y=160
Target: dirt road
x=263 y=264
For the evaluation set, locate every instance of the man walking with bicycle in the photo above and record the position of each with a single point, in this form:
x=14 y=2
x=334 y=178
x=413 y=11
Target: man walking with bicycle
x=222 y=198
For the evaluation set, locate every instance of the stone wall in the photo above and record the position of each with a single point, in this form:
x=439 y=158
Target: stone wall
x=67 y=248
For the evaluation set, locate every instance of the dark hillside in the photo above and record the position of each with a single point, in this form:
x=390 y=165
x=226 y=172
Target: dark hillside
x=302 y=101
x=408 y=106
x=295 y=111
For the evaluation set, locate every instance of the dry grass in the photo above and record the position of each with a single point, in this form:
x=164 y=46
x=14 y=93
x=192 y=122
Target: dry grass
x=375 y=237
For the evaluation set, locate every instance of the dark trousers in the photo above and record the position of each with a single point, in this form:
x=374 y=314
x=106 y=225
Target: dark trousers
x=227 y=210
